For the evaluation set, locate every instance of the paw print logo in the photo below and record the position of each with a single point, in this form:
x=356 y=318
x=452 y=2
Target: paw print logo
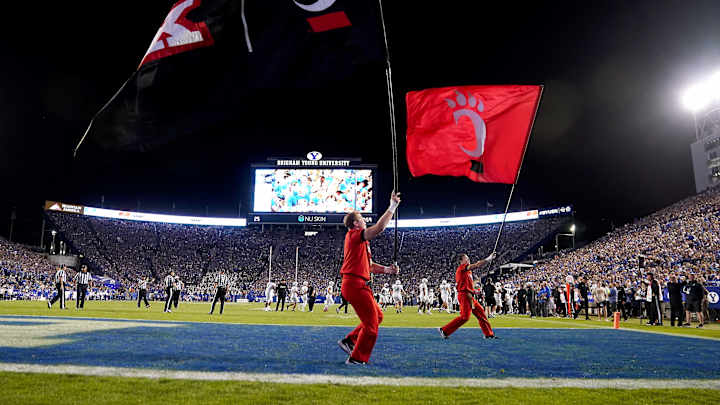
x=469 y=107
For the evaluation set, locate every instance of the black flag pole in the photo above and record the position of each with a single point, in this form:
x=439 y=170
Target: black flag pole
x=97 y=114
x=517 y=176
x=393 y=134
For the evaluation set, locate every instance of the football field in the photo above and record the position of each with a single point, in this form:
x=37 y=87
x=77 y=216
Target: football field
x=132 y=355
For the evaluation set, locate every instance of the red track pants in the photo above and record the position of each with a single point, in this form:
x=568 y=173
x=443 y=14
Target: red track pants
x=360 y=296
x=465 y=310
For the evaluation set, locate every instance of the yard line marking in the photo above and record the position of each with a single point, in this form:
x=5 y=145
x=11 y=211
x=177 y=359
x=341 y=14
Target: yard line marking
x=591 y=383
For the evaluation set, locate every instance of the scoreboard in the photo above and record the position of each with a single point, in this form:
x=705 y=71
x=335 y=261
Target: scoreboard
x=311 y=190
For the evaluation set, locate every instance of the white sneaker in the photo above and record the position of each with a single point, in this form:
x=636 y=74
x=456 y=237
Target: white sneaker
x=351 y=361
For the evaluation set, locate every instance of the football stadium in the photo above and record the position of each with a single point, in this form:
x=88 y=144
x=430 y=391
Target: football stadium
x=272 y=209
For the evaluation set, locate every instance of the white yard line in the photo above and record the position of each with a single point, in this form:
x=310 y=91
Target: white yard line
x=621 y=383
x=671 y=334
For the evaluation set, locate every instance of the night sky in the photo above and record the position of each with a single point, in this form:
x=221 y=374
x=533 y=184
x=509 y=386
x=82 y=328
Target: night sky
x=611 y=137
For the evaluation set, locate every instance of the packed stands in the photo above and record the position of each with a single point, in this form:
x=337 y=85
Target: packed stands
x=679 y=240
x=127 y=250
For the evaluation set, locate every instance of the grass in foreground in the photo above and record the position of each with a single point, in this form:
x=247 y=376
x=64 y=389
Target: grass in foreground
x=20 y=388
x=245 y=313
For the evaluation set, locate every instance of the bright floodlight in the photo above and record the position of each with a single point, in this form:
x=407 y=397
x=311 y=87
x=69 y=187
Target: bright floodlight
x=572 y=228
x=702 y=94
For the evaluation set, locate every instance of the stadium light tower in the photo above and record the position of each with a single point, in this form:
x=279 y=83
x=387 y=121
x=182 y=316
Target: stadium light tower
x=52 y=245
x=571 y=235
x=703 y=101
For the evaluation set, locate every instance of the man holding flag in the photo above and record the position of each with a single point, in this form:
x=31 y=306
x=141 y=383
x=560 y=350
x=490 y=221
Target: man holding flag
x=356 y=268
x=480 y=132
x=466 y=296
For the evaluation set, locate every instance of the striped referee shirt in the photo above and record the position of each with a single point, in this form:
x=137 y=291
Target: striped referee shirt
x=169 y=281
x=142 y=284
x=222 y=280
x=60 y=276
x=82 y=277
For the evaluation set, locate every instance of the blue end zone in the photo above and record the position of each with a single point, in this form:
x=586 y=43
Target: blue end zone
x=400 y=352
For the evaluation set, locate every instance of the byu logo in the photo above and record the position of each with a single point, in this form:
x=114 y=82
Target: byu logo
x=178 y=34
x=319 y=5
x=314 y=155
x=713 y=297
x=478 y=123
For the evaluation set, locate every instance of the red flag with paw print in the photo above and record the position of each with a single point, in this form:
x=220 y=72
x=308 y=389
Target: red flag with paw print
x=475 y=131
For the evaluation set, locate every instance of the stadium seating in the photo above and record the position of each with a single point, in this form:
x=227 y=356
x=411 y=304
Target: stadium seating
x=680 y=239
x=126 y=250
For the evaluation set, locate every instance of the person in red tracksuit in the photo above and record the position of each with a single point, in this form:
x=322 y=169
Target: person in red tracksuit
x=468 y=303
x=356 y=268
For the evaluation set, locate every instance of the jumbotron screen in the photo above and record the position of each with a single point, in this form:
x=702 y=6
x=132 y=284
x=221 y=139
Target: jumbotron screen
x=313 y=190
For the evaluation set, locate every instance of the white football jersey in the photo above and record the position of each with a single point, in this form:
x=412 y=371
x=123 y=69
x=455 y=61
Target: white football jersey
x=270 y=289
x=397 y=288
x=423 y=290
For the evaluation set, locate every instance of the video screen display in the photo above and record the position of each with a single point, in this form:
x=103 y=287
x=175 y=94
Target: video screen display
x=313 y=190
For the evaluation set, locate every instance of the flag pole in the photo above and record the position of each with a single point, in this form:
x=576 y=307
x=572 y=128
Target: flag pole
x=393 y=133
x=297 y=253
x=97 y=114
x=270 y=265
x=517 y=176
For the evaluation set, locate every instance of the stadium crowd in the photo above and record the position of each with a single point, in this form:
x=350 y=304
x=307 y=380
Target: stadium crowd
x=677 y=243
x=27 y=274
x=23 y=272
x=126 y=251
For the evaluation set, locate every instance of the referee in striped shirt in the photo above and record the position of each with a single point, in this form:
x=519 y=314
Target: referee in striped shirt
x=60 y=280
x=169 y=280
x=177 y=287
x=82 y=279
x=221 y=284
x=142 y=291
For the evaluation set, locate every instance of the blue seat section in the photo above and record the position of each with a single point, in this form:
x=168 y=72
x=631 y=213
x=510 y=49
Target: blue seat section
x=400 y=352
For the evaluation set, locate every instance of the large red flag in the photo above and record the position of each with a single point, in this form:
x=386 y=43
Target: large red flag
x=475 y=131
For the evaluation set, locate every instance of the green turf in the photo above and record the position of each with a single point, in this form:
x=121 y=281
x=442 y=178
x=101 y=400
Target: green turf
x=50 y=388
x=253 y=314
x=19 y=388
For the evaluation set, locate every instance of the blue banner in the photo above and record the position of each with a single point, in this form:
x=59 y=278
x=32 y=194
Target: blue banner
x=714 y=296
